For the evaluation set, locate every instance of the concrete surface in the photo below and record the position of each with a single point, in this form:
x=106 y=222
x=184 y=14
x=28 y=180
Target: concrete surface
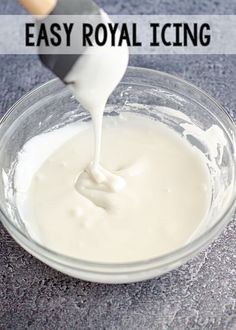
x=199 y=295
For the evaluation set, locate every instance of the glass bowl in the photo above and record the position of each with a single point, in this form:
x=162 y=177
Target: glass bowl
x=51 y=105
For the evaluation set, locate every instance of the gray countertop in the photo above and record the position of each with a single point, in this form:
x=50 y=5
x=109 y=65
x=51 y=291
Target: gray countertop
x=199 y=295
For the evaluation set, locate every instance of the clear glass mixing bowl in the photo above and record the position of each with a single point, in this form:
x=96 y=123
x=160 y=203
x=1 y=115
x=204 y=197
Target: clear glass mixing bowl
x=141 y=90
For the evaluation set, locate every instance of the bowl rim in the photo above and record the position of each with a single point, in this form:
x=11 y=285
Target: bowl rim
x=164 y=260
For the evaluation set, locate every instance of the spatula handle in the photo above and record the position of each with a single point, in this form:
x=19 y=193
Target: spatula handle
x=38 y=7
